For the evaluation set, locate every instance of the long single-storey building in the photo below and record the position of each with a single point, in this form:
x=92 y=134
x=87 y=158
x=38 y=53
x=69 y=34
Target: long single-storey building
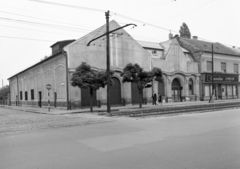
x=185 y=64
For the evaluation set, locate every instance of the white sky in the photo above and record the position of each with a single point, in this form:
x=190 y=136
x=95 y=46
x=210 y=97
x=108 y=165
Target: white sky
x=28 y=28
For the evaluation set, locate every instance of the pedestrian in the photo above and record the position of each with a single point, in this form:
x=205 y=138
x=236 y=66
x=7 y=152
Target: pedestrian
x=160 y=99
x=154 y=99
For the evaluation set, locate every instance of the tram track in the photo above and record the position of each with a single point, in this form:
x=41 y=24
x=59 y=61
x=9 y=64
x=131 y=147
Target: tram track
x=179 y=109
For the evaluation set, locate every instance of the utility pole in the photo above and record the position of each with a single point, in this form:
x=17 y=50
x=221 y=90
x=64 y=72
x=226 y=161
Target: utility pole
x=108 y=56
x=212 y=94
x=108 y=64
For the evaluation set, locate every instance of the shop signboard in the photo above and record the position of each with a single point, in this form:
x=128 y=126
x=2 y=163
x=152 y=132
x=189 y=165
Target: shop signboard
x=222 y=78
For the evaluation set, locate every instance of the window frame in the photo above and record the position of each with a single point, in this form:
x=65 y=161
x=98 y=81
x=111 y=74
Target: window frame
x=21 y=95
x=235 y=64
x=209 y=66
x=223 y=64
x=26 y=95
x=32 y=94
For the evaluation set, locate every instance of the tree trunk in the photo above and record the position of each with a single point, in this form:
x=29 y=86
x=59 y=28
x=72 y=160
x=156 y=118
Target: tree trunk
x=91 y=100
x=141 y=98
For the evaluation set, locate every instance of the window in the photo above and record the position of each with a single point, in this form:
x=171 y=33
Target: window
x=32 y=94
x=190 y=85
x=235 y=68
x=209 y=66
x=21 y=95
x=207 y=93
x=154 y=52
x=223 y=67
x=26 y=96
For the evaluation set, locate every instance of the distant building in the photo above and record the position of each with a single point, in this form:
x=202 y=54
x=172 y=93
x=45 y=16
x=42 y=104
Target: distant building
x=184 y=64
x=226 y=68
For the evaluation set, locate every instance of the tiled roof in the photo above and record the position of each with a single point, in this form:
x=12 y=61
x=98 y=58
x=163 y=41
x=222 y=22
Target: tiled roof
x=236 y=50
x=152 y=45
x=207 y=47
x=168 y=43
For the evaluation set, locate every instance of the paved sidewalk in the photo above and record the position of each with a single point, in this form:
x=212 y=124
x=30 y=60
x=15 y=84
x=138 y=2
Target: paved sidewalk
x=56 y=111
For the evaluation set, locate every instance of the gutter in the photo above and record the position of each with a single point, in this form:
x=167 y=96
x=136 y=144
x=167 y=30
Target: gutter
x=67 y=78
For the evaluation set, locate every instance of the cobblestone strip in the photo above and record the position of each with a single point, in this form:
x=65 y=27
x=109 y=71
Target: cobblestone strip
x=11 y=125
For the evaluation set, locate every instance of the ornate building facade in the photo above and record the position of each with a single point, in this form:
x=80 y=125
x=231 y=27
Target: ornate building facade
x=184 y=69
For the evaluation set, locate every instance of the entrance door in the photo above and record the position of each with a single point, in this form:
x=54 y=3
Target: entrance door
x=176 y=91
x=219 y=91
x=115 y=92
x=135 y=94
x=86 y=98
x=40 y=99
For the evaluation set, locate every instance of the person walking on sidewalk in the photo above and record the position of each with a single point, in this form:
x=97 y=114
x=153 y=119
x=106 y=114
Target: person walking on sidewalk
x=154 y=98
x=160 y=99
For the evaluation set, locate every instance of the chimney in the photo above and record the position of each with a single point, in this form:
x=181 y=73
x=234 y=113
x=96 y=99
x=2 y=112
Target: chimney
x=195 y=37
x=170 y=35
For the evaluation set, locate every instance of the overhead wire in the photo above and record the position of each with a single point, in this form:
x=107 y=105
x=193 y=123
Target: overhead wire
x=36 y=30
x=12 y=37
x=100 y=10
x=177 y=15
x=71 y=6
x=47 y=14
x=41 y=24
x=149 y=6
x=33 y=17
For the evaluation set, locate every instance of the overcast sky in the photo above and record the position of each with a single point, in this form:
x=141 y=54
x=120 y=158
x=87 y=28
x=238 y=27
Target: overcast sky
x=29 y=27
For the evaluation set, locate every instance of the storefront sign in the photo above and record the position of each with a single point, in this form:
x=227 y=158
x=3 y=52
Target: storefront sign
x=222 y=78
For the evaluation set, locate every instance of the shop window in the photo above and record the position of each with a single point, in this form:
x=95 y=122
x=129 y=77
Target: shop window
x=32 y=94
x=234 y=90
x=223 y=90
x=236 y=68
x=190 y=86
x=26 y=95
x=229 y=90
x=223 y=67
x=207 y=90
x=21 y=96
x=209 y=66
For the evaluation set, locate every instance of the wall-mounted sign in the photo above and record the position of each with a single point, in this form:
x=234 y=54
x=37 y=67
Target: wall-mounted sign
x=221 y=78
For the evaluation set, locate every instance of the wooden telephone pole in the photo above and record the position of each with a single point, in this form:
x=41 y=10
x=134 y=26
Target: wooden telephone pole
x=108 y=56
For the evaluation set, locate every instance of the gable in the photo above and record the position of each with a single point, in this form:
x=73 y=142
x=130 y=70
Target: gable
x=123 y=49
x=176 y=59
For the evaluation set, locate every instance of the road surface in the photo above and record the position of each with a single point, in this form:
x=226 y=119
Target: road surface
x=188 y=141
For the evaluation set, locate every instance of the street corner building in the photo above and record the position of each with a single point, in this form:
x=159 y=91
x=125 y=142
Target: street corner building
x=185 y=63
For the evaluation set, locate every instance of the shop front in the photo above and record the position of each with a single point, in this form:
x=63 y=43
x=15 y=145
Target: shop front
x=226 y=86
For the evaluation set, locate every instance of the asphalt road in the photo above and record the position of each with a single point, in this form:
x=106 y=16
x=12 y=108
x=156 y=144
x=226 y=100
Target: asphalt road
x=189 y=141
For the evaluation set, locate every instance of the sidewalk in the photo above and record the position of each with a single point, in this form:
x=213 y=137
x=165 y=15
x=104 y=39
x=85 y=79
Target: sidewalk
x=56 y=111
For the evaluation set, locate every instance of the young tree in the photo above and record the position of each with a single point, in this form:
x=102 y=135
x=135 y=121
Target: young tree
x=85 y=77
x=4 y=91
x=135 y=74
x=184 y=31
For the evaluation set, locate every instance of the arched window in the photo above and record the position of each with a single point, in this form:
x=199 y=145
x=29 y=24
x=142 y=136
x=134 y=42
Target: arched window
x=190 y=87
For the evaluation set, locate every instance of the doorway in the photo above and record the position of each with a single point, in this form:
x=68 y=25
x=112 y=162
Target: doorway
x=115 y=92
x=219 y=92
x=40 y=99
x=176 y=91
